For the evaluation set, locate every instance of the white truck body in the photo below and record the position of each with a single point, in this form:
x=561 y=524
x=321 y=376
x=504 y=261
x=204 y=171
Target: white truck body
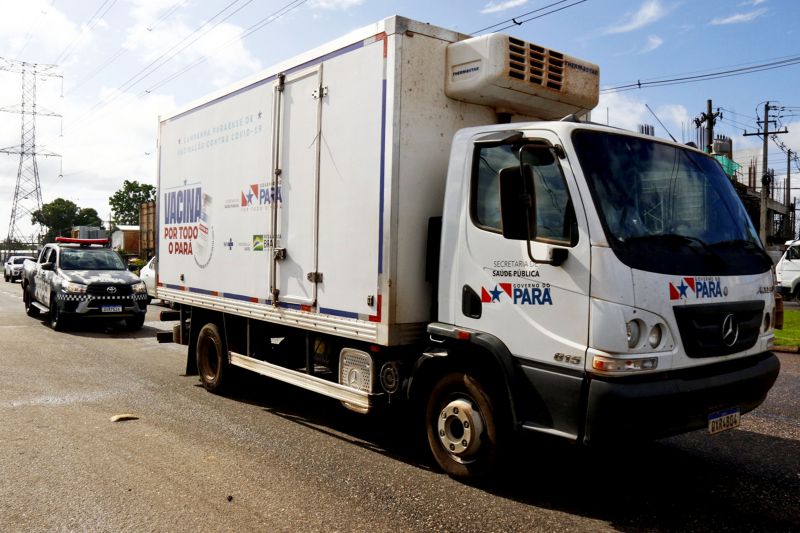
x=302 y=203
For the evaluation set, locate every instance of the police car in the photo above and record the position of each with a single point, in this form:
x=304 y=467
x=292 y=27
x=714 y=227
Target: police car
x=82 y=278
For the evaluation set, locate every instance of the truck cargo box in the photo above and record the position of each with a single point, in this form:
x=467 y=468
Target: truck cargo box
x=302 y=196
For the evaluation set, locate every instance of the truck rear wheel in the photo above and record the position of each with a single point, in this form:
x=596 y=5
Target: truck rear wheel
x=30 y=309
x=462 y=425
x=212 y=358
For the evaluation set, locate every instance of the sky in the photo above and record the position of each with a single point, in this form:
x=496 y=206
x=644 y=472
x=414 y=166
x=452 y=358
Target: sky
x=119 y=64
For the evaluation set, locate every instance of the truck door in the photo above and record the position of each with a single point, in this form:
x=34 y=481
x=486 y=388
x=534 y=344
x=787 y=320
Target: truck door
x=539 y=311
x=294 y=240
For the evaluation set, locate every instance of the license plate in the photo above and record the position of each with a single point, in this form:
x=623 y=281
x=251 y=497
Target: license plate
x=724 y=420
x=111 y=309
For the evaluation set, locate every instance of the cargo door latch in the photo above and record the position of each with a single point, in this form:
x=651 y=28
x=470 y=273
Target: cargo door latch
x=279 y=254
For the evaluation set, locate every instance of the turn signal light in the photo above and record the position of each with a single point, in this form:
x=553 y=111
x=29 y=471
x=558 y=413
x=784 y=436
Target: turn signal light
x=609 y=364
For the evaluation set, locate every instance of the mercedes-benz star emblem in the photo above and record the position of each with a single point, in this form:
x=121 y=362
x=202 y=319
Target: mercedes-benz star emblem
x=730 y=330
x=111 y=290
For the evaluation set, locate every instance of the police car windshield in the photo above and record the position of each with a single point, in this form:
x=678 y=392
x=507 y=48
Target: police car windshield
x=660 y=203
x=90 y=259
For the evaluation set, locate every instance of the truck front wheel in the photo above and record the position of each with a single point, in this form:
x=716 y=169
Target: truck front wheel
x=462 y=425
x=212 y=358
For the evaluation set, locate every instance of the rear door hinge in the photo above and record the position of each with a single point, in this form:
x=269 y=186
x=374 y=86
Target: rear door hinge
x=314 y=277
x=320 y=92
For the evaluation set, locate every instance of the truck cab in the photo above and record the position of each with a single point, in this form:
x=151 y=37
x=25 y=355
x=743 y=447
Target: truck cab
x=612 y=271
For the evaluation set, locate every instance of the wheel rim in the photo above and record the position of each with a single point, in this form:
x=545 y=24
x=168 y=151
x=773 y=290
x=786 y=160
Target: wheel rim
x=209 y=365
x=459 y=428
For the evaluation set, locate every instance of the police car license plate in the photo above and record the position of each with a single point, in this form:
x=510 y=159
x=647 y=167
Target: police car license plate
x=111 y=309
x=724 y=420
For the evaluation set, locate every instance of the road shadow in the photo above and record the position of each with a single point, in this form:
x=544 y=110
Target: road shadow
x=100 y=329
x=735 y=481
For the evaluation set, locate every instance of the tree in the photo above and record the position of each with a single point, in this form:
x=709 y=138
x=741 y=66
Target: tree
x=126 y=201
x=59 y=216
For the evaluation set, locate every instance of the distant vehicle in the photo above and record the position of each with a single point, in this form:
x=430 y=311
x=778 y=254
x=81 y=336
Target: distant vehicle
x=148 y=275
x=787 y=271
x=81 y=278
x=13 y=267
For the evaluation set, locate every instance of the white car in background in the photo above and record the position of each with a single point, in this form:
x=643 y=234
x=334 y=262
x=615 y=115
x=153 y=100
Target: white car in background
x=787 y=271
x=148 y=275
x=13 y=267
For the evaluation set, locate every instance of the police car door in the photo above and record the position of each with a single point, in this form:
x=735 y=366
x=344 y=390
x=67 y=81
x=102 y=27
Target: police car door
x=539 y=311
x=44 y=277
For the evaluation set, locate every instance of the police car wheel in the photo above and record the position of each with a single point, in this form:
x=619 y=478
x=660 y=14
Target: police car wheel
x=30 y=309
x=57 y=321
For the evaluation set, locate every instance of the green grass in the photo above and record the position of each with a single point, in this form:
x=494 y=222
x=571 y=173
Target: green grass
x=790 y=334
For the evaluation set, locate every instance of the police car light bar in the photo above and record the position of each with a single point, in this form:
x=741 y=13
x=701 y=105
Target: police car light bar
x=82 y=242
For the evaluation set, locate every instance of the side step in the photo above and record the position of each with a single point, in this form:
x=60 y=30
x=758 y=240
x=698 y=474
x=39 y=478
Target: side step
x=40 y=307
x=356 y=398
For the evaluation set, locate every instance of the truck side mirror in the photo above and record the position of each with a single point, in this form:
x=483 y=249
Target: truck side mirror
x=517 y=203
x=49 y=267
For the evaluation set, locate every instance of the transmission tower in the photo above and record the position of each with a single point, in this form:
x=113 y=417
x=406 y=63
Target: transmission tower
x=28 y=191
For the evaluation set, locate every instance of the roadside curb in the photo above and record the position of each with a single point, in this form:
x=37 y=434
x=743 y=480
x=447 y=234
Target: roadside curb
x=786 y=349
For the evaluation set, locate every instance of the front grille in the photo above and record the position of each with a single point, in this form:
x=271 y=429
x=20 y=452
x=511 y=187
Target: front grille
x=535 y=64
x=101 y=289
x=701 y=327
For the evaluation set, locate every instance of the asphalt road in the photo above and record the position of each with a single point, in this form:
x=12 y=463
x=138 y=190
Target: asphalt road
x=273 y=458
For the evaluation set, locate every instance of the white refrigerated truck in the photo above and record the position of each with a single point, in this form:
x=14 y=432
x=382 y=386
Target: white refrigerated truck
x=408 y=213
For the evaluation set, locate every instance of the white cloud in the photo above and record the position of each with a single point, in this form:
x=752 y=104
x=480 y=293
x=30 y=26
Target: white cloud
x=19 y=25
x=739 y=18
x=495 y=7
x=653 y=42
x=628 y=112
x=752 y=3
x=336 y=5
x=649 y=12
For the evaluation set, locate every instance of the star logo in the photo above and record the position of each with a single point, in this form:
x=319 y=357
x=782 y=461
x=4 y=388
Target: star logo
x=682 y=289
x=250 y=197
x=496 y=294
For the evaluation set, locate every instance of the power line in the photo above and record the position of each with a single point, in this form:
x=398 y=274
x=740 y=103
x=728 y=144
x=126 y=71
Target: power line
x=291 y=6
x=122 y=50
x=161 y=60
x=29 y=35
x=794 y=60
x=107 y=5
x=515 y=22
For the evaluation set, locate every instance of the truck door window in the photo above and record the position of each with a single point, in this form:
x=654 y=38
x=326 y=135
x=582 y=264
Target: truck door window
x=794 y=253
x=555 y=217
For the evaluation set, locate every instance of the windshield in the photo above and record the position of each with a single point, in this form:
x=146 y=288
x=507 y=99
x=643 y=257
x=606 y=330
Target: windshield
x=90 y=260
x=668 y=209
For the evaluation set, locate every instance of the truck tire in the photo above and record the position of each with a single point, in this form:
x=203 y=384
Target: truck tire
x=464 y=426
x=30 y=309
x=57 y=321
x=212 y=359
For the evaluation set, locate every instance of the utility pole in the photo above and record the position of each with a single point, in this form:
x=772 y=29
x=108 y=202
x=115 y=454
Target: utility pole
x=788 y=177
x=28 y=192
x=709 y=118
x=762 y=219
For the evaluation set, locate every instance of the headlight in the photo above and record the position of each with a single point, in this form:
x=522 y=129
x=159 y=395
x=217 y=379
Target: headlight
x=74 y=287
x=633 y=332
x=139 y=288
x=656 y=333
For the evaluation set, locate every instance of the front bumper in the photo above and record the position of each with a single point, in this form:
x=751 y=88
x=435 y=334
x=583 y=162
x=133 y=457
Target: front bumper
x=84 y=305
x=669 y=403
